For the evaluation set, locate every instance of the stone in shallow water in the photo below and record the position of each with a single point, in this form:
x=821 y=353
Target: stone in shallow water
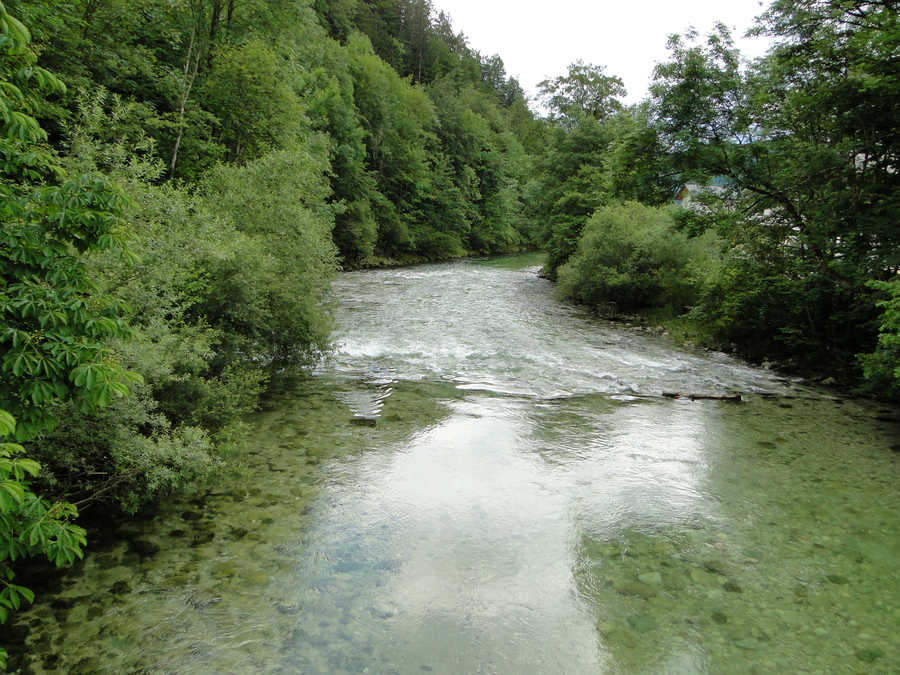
x=719 y=618
x=288 y=609
x=704 y=578
x=837 y=579
x=674 y=581
x=638 y=588
x=224 y=570
x=869 y=655
x=651 y=578
x=86 y=665
x=732 y=587
x=382 y=611
x=236 y=533
x=642 y=623
x=202 y=538
x=714 y=566
x=120 y=588
x=256 y=578
x=68 y=603
x=143 y=548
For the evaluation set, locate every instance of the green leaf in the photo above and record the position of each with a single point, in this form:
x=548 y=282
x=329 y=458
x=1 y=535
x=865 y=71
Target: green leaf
x=26 y=593
x=7 y=424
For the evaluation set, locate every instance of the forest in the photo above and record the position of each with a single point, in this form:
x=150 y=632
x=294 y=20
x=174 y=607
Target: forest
x=181 y=181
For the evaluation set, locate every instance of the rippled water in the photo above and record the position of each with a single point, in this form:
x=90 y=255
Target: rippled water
x=484 y=480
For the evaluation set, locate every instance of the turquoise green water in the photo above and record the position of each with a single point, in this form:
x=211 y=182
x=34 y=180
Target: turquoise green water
x=483 y=480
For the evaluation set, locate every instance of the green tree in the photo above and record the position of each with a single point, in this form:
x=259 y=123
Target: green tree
x=882 y=367
x=570 y=185
x=638 y=166
x=55 y=332
x=250 y=93
x=267 y=294
x=802 y=137
x=585 y=89
x=53 y=344
x=570 y=181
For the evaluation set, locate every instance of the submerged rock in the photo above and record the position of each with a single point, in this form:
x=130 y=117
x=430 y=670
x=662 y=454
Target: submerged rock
x=120 y=588
x=732 y=587
x=203 y=537
x=704 y=578
x=869 y=655
x=288 y=609
x=224 y=570
x=639 y=589
x=651 y=578
x=714 y=566
x=145 y=549
x=236 y=533
x=87 y=665
x=642 y=623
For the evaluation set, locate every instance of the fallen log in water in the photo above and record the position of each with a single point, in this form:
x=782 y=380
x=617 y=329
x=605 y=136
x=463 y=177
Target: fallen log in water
x=696 y=397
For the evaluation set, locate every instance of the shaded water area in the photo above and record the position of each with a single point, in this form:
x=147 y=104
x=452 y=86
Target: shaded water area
x=484 y=480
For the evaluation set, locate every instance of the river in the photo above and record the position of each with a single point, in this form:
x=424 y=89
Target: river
x=482 y=479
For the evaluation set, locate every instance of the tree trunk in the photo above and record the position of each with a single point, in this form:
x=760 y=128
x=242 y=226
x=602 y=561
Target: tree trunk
x=190 y=74
x=213 y=30
x=697 y=397
x=229 y=15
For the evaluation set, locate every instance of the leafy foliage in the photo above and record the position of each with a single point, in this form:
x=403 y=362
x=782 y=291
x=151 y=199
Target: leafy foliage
x=802 y=137
x=585 y=90
x=631 y=257
x=29 y=526
x=55 y=326
x=882 y=367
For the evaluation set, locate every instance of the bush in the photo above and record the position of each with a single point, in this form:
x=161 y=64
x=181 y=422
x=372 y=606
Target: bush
x=223 y=283
x=631 y=257
x=268 y=295
x=127 y=454
x=882 y=367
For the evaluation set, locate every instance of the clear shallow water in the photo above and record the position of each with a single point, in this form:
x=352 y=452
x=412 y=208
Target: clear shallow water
x=526 y=502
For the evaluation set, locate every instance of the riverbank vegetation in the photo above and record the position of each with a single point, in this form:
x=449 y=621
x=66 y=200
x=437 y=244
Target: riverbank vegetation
x=181 y=180
x=791 y=161
x=215 y=163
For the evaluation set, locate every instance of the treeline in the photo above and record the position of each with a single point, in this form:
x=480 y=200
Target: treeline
x=786 y=247
x=180 y=181
x=423 y=136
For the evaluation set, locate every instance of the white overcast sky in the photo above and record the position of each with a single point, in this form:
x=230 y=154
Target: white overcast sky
x=537 y=40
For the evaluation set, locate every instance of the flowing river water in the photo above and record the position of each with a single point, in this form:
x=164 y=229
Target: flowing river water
x=484 y=480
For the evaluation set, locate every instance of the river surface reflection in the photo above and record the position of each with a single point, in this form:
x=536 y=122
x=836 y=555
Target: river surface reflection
x=484 y=480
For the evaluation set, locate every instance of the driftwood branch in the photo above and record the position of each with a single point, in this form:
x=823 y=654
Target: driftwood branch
x=696 y=397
